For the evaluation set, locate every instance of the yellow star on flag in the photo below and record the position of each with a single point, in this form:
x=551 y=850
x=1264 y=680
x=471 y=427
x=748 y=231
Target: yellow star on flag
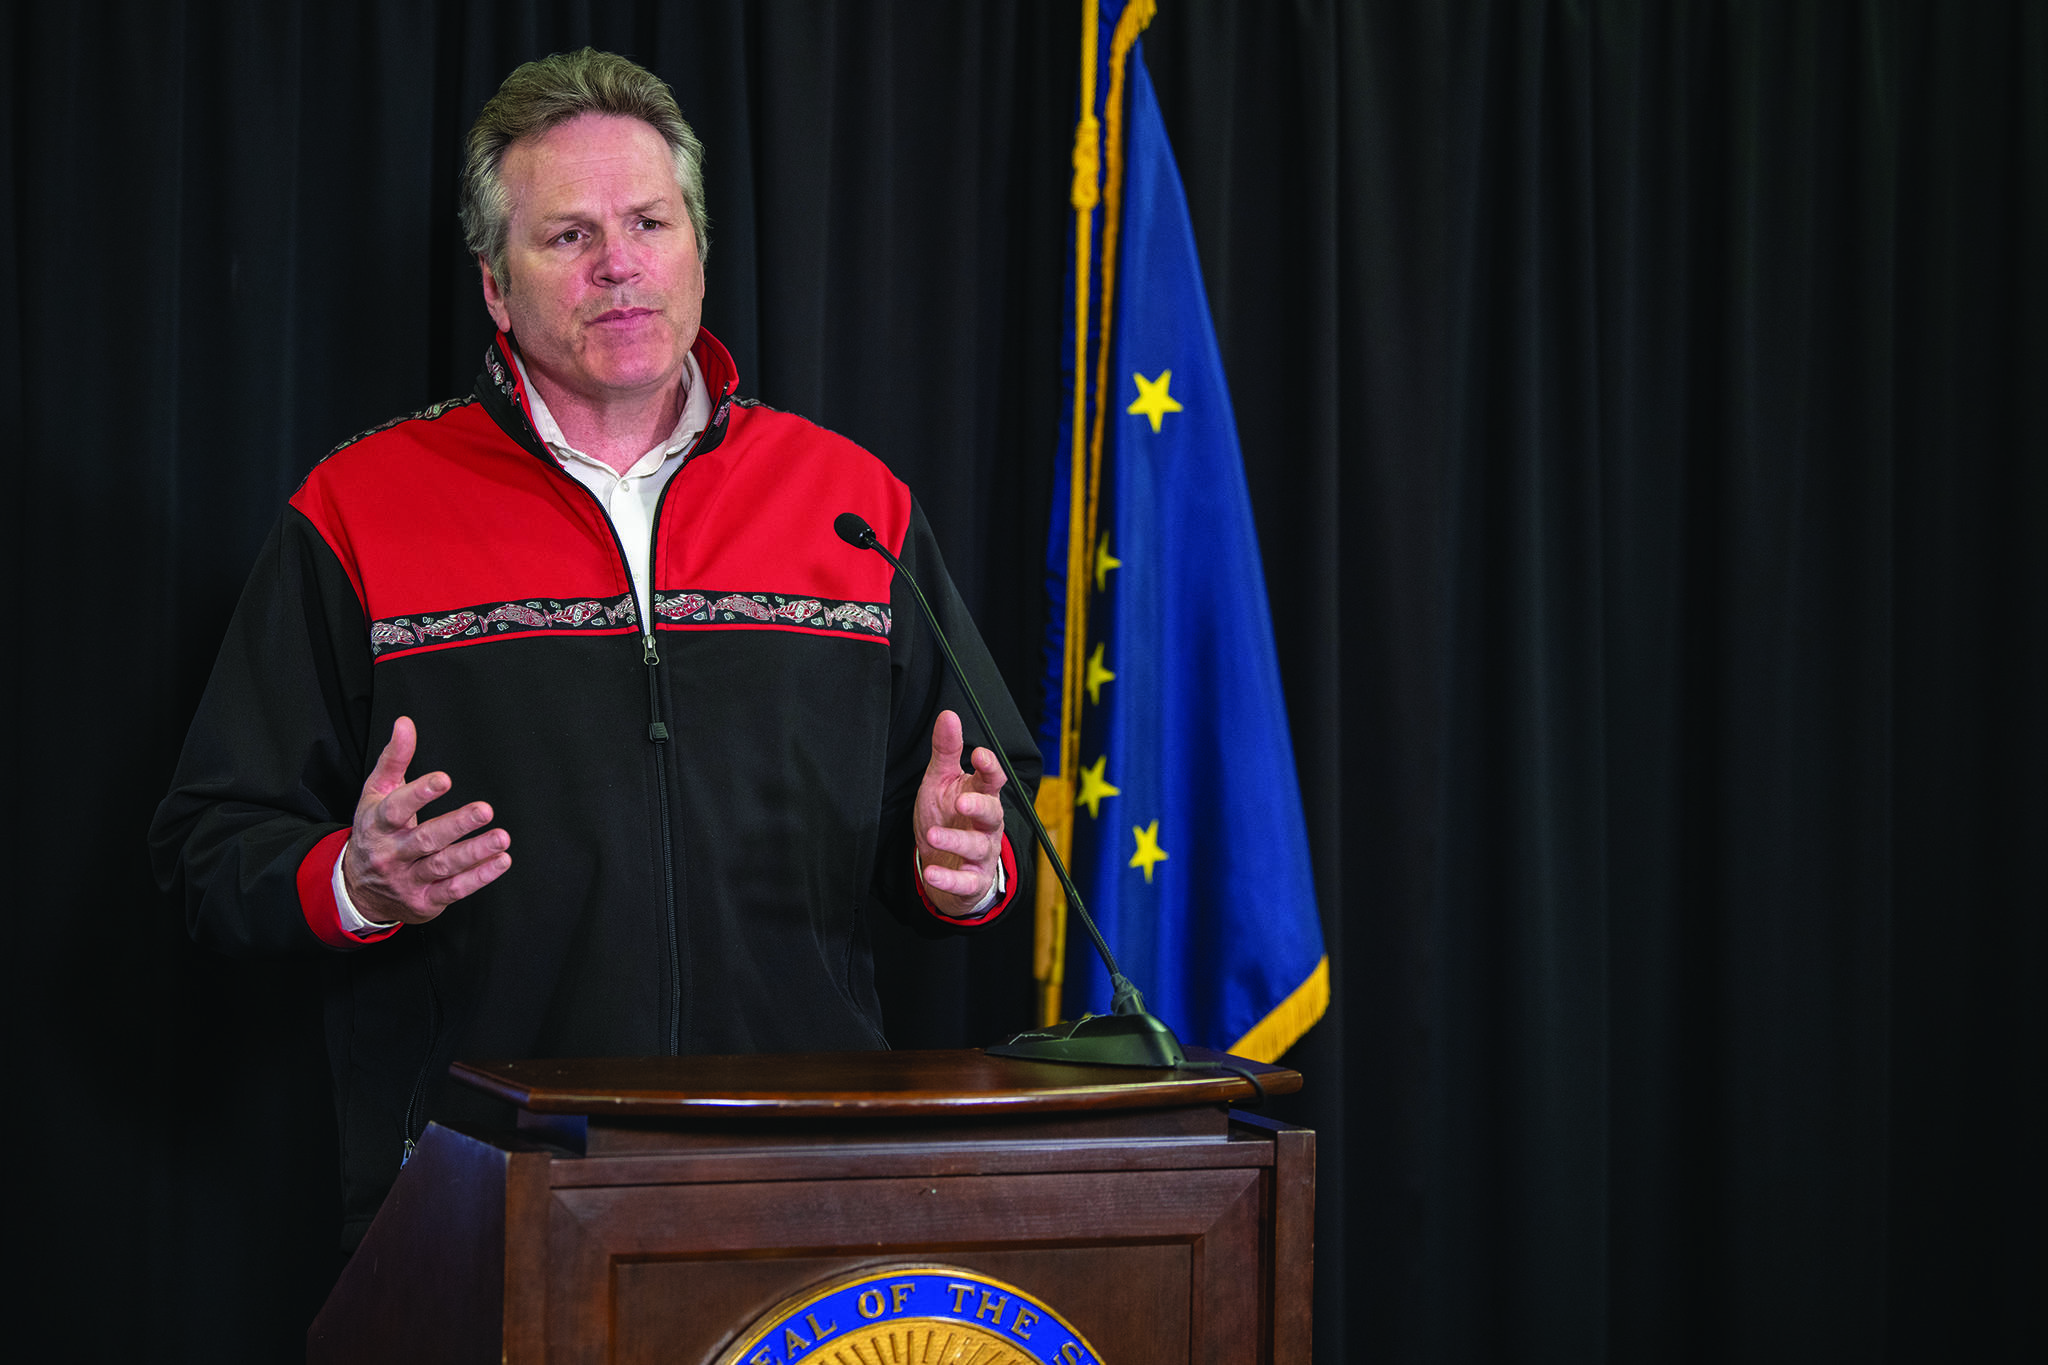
x=1149 y=851
x=1104 y=561
x=1098 y=674
x=1154 y=402
x=1094 y=786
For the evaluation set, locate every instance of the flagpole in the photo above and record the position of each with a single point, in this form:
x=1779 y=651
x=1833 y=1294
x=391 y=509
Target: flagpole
x=1055 y=802
x=1093 y=145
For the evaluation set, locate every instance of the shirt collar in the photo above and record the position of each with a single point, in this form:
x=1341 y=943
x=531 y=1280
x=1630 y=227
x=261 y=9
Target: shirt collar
x=696 y=415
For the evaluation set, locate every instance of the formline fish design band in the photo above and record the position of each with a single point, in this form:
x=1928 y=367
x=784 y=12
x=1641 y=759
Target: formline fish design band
x=543 y=614
x=772 y=609
x=493 y=618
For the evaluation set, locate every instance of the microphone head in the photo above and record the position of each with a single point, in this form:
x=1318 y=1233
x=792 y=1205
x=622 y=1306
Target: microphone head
x=854 y=531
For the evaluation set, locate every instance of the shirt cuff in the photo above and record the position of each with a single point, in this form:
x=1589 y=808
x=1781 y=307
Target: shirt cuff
x=993 y=901
x=323 y=898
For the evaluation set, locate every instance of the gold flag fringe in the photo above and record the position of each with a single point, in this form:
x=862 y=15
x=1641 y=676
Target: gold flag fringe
x=1291 y=1018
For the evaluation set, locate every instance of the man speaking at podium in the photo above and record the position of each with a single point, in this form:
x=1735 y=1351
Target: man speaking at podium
x=558 y=716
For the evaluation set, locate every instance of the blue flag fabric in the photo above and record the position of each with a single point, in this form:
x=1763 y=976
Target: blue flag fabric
x=1190 y=843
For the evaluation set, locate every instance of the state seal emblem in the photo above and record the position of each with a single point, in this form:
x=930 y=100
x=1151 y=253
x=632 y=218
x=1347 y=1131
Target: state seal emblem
x=911 y=1315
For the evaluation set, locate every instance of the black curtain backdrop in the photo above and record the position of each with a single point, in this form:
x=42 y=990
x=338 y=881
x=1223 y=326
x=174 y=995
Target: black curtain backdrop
x=1646 y=414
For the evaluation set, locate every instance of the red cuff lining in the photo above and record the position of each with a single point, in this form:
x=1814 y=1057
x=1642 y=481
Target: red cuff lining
x=1002 y=901
x=316 y=896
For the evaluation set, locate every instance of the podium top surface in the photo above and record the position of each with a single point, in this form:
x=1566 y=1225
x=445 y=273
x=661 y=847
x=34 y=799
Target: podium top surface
x=957 y=1084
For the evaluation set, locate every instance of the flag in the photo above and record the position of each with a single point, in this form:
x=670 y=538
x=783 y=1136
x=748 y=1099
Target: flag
x=1187 y=835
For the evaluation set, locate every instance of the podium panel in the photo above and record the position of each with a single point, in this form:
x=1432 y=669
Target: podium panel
x=661 y=1210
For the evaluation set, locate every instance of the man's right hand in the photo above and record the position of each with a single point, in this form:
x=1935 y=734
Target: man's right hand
x=398 y=869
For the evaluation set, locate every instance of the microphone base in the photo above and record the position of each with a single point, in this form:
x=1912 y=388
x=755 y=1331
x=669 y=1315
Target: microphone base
x=1098 y=1040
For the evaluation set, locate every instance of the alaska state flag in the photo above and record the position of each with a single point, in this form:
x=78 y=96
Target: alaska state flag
x=1189 y=841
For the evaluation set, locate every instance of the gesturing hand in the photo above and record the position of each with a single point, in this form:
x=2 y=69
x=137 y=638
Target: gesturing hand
x=399 y=869
x=958 y=820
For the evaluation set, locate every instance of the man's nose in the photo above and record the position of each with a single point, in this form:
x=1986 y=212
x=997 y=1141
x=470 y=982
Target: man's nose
x=616 y=261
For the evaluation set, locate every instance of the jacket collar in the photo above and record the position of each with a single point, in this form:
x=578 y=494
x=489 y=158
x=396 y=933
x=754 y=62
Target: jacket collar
x=503 y=392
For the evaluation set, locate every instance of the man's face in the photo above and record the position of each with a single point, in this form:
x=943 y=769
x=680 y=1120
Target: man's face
x=604 y=288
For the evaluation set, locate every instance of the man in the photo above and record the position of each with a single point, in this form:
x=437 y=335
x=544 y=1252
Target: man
x=603 y=598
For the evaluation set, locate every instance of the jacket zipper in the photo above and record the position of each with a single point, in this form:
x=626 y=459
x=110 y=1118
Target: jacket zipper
x=657 y=735
x=657 y=730
x=415 y=1107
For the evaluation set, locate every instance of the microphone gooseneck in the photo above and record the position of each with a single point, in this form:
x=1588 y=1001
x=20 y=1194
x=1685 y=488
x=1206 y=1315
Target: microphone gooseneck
x=1127 y=1036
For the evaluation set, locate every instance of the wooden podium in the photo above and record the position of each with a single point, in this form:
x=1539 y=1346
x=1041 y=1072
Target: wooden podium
x=660 y=1209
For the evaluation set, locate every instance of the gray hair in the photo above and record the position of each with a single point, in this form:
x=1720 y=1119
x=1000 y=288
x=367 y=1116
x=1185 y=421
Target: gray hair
x=551 y=91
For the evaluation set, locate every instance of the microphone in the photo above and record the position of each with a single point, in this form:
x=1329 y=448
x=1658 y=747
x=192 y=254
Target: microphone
x=861 y=536
x=1127 y=1036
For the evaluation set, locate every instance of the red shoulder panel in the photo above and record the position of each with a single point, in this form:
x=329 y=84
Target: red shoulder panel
x=400 y=509
x=755 y=513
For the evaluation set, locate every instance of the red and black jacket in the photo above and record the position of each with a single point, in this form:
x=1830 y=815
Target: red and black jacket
x=705 y=808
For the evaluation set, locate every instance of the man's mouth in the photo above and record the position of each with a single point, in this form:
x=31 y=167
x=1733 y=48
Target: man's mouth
x=621 y=316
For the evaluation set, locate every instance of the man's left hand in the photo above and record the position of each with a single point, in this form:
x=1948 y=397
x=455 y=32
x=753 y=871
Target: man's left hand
x=959 y=822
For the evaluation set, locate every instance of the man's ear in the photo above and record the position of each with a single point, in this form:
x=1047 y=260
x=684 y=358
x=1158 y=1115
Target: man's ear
x=494 y=296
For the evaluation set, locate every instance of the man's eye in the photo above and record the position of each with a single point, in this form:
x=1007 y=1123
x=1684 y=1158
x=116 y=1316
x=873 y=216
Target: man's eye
x=571 y=237
x=651 y=223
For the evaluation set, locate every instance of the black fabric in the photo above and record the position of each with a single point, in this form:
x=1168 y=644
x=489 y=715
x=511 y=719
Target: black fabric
x=1643 y=412
x=711 y=892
